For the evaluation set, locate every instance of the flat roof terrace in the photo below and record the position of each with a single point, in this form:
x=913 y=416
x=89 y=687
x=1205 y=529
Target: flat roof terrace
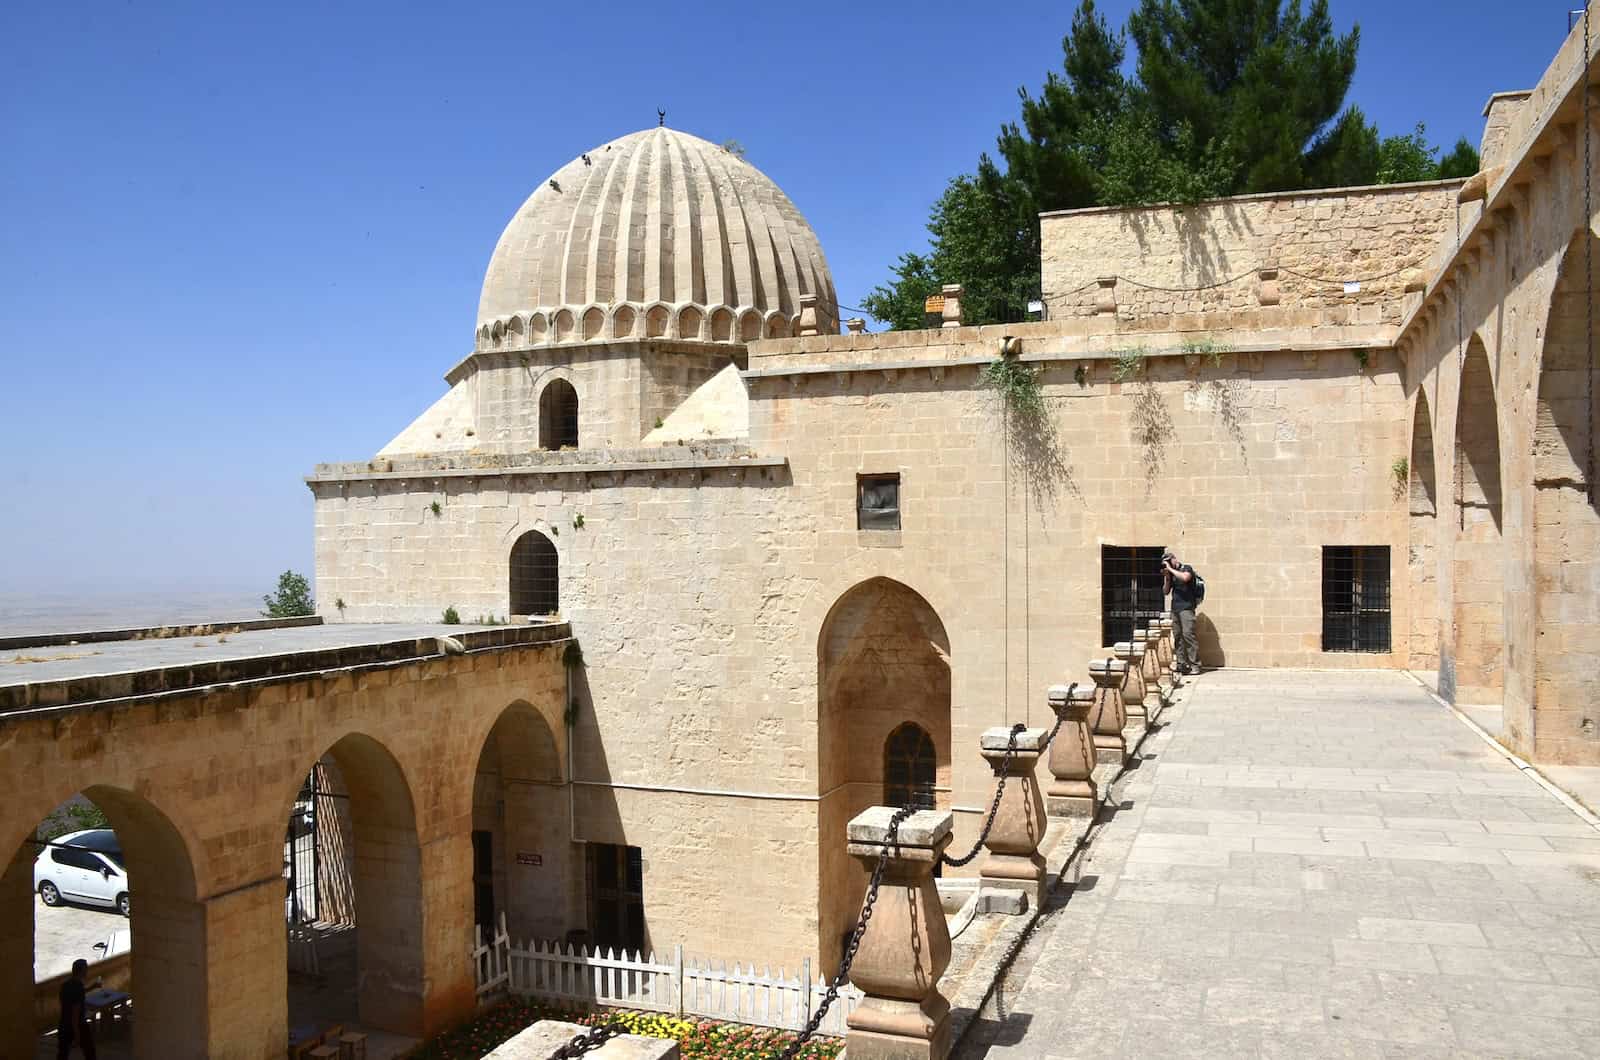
x=96 y=671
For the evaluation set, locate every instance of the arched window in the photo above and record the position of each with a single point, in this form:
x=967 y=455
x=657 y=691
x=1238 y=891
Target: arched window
x=558 y=417
x=535 y=576
x=909 y=768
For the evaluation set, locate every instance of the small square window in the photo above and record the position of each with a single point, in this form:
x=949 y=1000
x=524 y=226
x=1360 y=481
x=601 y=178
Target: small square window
x=878 y=502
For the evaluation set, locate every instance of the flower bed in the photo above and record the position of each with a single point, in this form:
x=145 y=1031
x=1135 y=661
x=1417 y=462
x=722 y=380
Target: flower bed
x=697 y=1039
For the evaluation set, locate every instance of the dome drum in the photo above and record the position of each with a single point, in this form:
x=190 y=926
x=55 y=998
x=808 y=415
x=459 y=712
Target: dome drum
x=656 y=320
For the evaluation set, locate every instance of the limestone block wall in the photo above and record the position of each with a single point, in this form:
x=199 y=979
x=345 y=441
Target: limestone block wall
x=1496 y=350
x=199 y=786
x=700 y=594
x=1161 y=263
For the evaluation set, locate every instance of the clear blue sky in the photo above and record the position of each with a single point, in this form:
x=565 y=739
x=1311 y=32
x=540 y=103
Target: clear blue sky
x=239 y=239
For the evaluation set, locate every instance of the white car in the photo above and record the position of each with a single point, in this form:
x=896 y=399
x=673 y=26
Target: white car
x=83 y=867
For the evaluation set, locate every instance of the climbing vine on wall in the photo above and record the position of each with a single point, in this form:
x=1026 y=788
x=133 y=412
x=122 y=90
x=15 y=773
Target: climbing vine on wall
x=1032 y=442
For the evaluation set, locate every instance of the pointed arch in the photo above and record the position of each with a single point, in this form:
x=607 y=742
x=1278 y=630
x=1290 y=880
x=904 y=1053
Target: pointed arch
x=167 y=921
x=1477 y=666
x=1423 y=525
x=883 y=661
x=1566 y=522
x=518 y=805
x=375 y=819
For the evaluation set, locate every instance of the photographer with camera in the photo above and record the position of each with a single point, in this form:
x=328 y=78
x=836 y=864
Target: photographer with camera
x=1187 y=589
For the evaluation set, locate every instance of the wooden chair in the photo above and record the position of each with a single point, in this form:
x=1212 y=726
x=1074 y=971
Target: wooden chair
x=324 y=1052
x=353 y=1046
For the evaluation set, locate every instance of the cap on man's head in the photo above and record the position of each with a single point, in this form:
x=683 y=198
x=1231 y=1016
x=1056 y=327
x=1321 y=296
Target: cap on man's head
x=1168 y=554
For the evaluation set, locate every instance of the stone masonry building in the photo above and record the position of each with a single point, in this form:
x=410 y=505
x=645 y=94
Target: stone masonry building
x=1365 y=414
x=774 y=574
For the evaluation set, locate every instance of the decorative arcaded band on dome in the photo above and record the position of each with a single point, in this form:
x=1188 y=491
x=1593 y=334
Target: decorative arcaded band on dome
x=658 y=233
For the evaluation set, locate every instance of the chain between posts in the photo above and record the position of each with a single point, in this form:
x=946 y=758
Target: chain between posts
x=994 y=805
x=588 y=1041
x=840 y=977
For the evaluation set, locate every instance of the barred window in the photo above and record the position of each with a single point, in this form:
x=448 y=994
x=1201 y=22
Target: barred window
x=878 y=502
x=558 y=416
x=1131 y=590
x=1355 y=598
x=535 y=576
x=910 y=769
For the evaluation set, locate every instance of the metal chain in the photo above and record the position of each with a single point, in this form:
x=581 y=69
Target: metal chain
x=994 y=806
x=840 y=977
x=588 y=1041
x=1048 y=740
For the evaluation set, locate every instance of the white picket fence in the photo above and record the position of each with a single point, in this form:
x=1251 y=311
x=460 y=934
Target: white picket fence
x=673 y=984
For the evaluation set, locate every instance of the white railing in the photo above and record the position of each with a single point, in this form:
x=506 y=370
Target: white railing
x=671 y=984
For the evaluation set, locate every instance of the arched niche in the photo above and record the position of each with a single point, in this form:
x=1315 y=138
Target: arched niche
x=520 y=833
x=1422 y=489
x=1479 y=620
x=558 y=415
x=883 y=660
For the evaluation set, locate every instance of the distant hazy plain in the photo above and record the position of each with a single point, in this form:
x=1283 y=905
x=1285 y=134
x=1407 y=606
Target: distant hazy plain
x=72 y=612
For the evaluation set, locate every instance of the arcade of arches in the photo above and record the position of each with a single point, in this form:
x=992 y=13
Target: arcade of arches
x=198 y=786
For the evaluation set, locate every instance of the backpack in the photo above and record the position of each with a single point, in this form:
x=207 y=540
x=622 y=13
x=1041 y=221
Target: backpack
x=1199 y=588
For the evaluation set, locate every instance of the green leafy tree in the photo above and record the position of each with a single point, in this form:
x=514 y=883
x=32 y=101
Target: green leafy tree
x=1461 y=161
x=1263 y=76
x=1230 y=97
x=292 y=599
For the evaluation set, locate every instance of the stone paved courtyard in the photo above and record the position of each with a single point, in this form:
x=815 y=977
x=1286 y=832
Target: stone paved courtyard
x=1317 y=864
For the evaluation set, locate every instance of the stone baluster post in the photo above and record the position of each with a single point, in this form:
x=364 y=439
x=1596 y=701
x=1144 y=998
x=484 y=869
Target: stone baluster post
x=1108 y=716
x=906 y=946
x=1155 y=681
x=810 y=322
x=1165 y=626
x=1013 y=861
x=1072 y=791
x=952 y=305
x=1134 y=693
x=1150 y=669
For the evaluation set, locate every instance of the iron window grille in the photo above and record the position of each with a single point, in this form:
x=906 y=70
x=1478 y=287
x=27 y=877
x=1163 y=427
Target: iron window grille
x=535 y=576
x=1356 y=598
x=910 y=769
x=878 y=502
x=1131 y=590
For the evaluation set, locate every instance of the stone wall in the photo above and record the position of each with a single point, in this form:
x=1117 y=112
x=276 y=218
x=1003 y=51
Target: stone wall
x=700 y=594
x=1504 y=303
x=1234 y=261
x=199 y=784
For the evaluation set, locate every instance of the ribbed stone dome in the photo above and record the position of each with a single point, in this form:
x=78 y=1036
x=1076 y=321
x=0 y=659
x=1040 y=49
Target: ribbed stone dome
x=658 y=233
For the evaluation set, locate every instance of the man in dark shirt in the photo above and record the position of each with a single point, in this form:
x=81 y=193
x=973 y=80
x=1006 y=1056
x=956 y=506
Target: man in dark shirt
x=1178 y=579
x=74 y=1025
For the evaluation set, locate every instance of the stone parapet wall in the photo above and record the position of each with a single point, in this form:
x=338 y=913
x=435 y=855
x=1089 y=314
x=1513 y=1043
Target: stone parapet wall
x=1232 y=259
x=420 y=465
x=1076 y=338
